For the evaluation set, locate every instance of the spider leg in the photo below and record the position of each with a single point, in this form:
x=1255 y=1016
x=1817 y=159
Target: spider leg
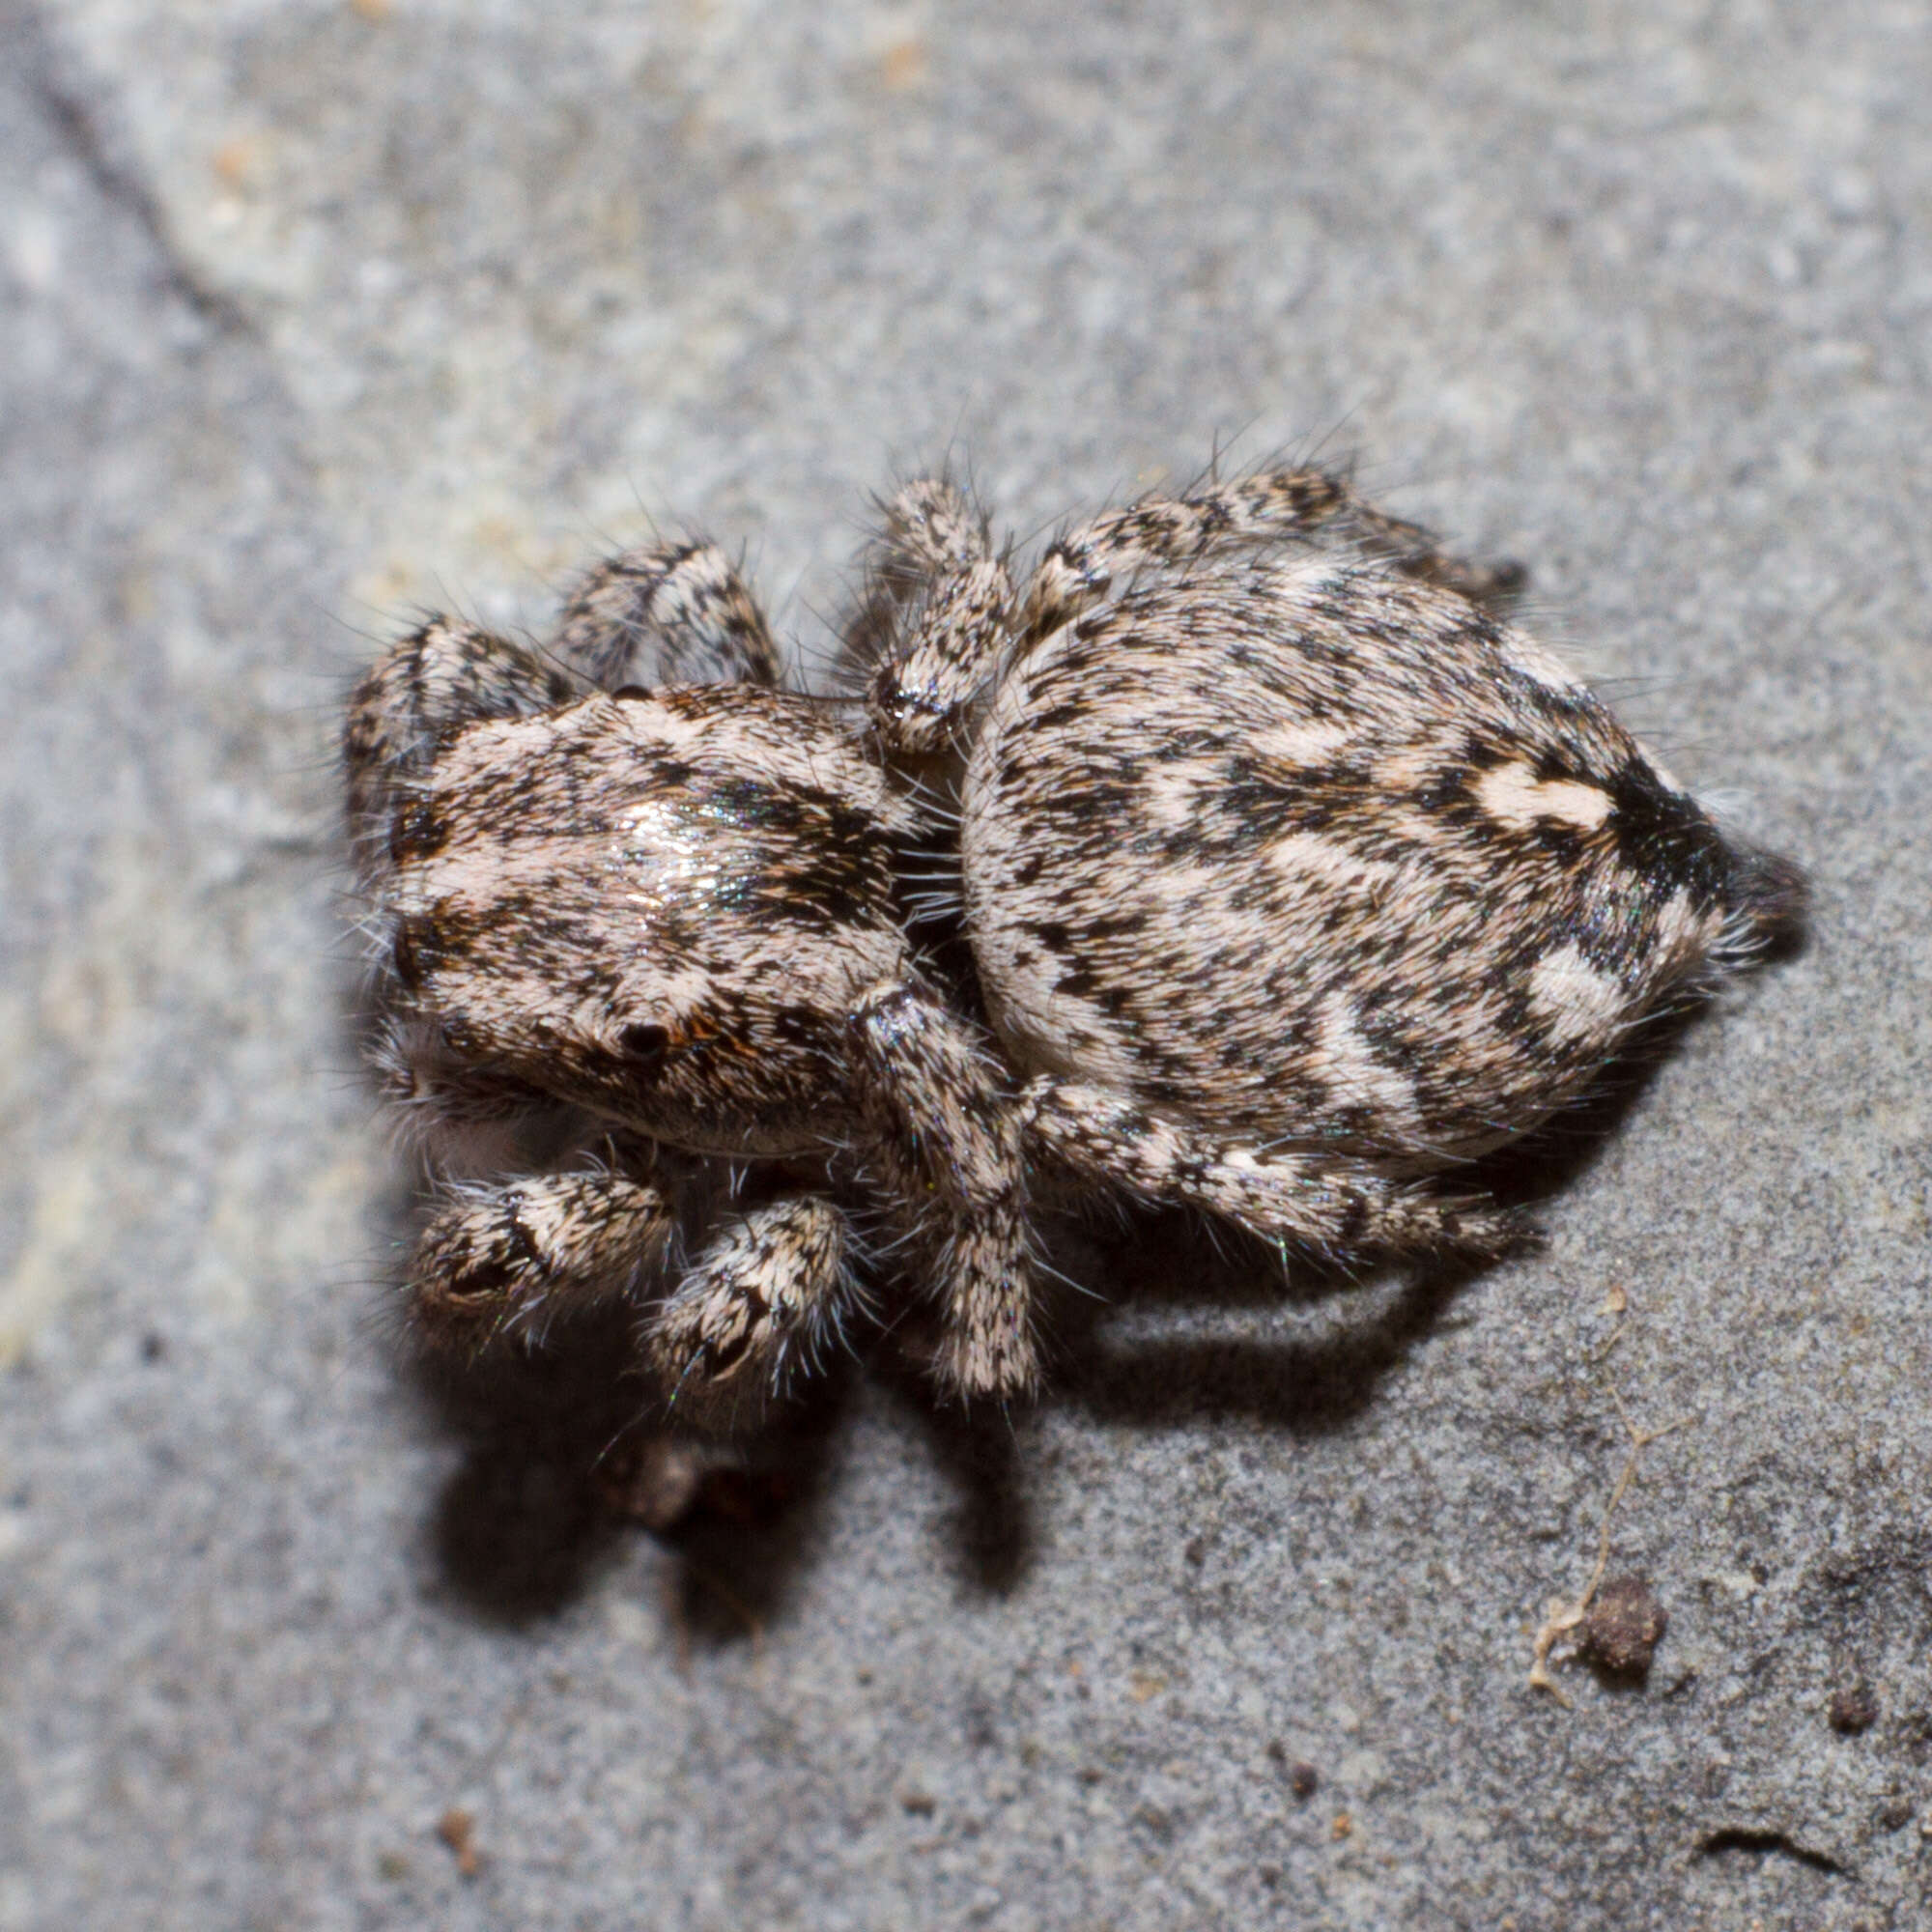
x=767 y=1293
x=949 y=1139
x=1274 y=506
x=1293 y=1197
x=933 y=619
x=675 y=613
x=498 y=1260
x=443 y=674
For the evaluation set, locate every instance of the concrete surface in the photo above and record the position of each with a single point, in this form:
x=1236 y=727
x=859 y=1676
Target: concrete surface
x=315 y=310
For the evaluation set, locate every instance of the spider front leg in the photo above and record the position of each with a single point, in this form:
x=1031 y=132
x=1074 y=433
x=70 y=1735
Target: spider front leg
x=950 y=1142
x=1296 y=1198
x=443 y=674
x=1275 y=506
x=501 y=1260
x=765 y=1299
x=937 y=602
x=675 y=613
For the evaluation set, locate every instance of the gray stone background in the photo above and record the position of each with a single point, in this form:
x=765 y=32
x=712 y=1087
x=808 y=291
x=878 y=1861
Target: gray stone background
x=314 y=311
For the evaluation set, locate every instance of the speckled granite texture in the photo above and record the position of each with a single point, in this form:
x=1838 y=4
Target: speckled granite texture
x=317 y=310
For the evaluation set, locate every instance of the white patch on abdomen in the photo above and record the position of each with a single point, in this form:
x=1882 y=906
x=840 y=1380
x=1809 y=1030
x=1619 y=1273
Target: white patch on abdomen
x=1300 y=742
x=1573 y=997
x=1327 y=863
x=1346 y=1063
x=1514 y=795
x=1684 y=934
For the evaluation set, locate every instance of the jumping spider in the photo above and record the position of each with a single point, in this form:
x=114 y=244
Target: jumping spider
x=1291 y=876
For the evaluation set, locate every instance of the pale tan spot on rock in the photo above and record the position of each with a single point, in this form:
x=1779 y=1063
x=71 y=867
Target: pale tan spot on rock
x=902 y=65
x=53 y=1261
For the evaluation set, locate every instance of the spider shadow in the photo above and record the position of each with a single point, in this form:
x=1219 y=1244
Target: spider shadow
x=1311 y=1379
x=755 y=1523
x=980 y=1453
x=522 y=1526
x=540 y=1501
x=517 y=1529
x=538 y=1504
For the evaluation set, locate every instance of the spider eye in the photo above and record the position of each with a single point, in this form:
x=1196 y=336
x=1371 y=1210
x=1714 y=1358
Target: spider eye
x=646 y=1045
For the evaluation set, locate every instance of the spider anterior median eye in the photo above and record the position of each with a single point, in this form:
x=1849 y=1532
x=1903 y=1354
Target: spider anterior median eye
x=644 y=1041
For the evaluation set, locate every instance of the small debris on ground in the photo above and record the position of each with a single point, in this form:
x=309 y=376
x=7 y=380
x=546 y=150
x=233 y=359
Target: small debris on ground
x=1303 y=1779
x=1566 y=1620
x=1623 y=1627
x=1854 y=1710
x=457 y=1828
x=665 y=1486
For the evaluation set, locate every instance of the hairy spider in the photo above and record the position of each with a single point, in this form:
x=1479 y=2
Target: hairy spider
x=1290 y=874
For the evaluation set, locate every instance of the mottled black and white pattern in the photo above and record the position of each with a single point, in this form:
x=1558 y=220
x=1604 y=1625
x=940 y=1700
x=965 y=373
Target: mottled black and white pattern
x=1288 y=874
x=1379 y=882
